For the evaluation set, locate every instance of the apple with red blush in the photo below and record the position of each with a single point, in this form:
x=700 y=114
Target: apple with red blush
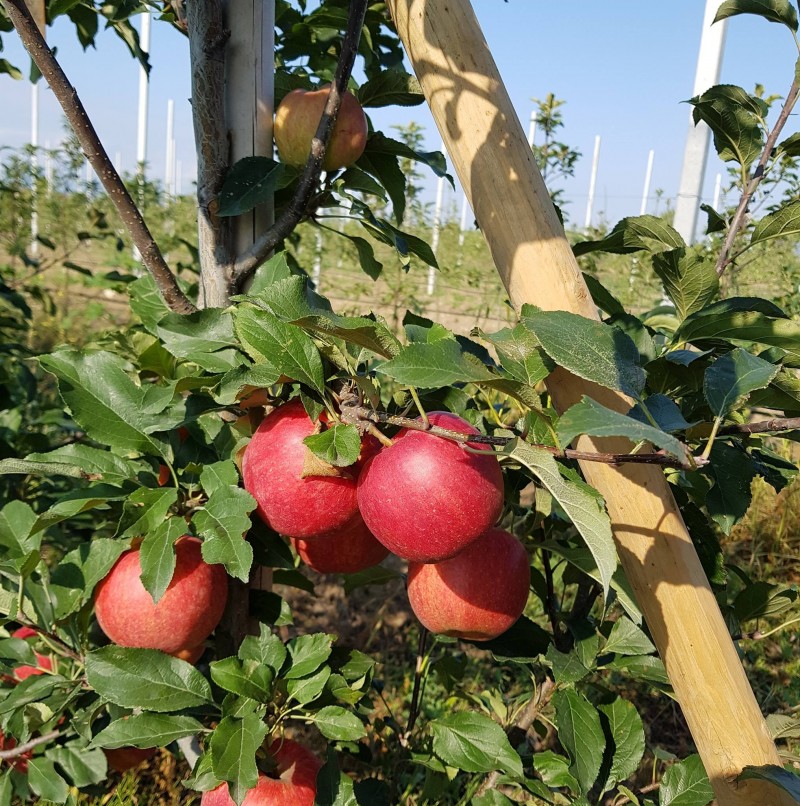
x=425 y=497
x=478 y=594
x=276 y=473
x=292 y=781
x=296 y=122
x=346 y=550
x=181 y=620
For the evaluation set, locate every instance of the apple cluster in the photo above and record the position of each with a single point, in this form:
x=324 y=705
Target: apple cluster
x=423 y=498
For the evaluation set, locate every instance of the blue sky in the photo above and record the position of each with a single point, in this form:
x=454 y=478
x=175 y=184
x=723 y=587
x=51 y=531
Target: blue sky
x=623 y=67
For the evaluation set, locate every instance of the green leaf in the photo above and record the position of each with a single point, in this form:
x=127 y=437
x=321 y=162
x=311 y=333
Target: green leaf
x=359 y=330
x=523 y=642
x=219 y=476
x=626 y=638
x=391 y=88
x=733 y=473
x=9 y=69
x=763 y=599
x=233 y=752
x=581 y=734
x=104 y=400
x=339 y=446
x=734 y=118
x=591 y=350
x=147 y=730
x=742 y=327
x=377 y=575
x=145 y=678
x=248 y=678
x=585 y=509
x=429 y=366
x=157 y=556
x=491 y=798
x=664 y=411
x=281 y=346
x=567 y=666
x=779 y=777
x=554 y=770
x=145 y=510
x=82 y=765
x=89 y=461
x=690 y=279
x=686 y=784
x=784 y=223
x=335 y=723
x=74 y=578
x=473 y=742
x=45 y=781
x=308 y=653
x=334 y=788
x=729 y=381
x=781 y=11
x=632 y=235
x=306 y=689
x=250 y=181
x=265 y=648
x=627 y=734
x=590 y=417
x=519 y=353
x=19 y=536
x=204 y=337
x=223 y=522
x=370 y=265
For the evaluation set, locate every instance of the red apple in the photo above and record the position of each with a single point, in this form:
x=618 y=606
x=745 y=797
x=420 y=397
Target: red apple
x=478 y=594
x=426 y=498
x=19 y=763
x=294 y=782
x=343 y=551
x=122 y=759
x=163 y=475
x=43 y=661
x=191 y=654
x=184 y=616
x=272 y=468
x=296 y=122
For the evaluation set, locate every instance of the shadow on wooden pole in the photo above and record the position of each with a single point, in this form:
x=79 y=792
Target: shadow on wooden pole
x=489 y=150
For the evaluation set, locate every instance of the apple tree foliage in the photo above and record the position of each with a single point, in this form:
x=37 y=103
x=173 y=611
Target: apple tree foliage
x=165 y=391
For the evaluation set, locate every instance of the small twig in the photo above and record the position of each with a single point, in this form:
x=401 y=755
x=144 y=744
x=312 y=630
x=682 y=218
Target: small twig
x=355 y=414
x=773 y=426
x=21 y=749
x=63 y=647
x=725 y=259
x=413 y=709
x=75 y=113
x=539 y=700
x=645 y=790
x=249 y=261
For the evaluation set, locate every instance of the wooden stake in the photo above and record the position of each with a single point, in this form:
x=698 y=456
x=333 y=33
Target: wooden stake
x=491 y=155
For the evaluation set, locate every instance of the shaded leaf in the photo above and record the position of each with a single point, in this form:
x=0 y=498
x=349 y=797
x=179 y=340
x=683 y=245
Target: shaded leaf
x=730 y=379
x=147 y=730
x=686 y=784
x=581 y=735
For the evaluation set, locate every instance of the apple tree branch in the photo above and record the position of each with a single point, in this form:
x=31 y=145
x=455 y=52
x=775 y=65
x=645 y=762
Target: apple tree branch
x=75 y=113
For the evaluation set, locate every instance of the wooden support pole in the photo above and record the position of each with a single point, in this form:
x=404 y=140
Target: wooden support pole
x=490 y=152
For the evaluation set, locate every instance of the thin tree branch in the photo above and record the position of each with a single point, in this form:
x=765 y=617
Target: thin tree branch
x=21 y=749
x=773 y=426
x=207 y=39
x=75 y=113
x=413 y=709
x=64 y=647
x=247 y=263
x=725 y=259
x=534 y=707
x=355 y=414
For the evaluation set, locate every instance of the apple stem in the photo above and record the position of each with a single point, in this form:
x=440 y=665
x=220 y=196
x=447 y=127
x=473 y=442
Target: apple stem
x=422 y=413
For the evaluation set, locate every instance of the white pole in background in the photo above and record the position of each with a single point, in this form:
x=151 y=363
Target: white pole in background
x=648 y=176
x=34 y=165
x=178 y=178
x=462 y=227
x=141 y=124
x=170 y=145
x=695 y=155
x=717 y=191
x=532 y=129
x=592 y=183
x=437 y=223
